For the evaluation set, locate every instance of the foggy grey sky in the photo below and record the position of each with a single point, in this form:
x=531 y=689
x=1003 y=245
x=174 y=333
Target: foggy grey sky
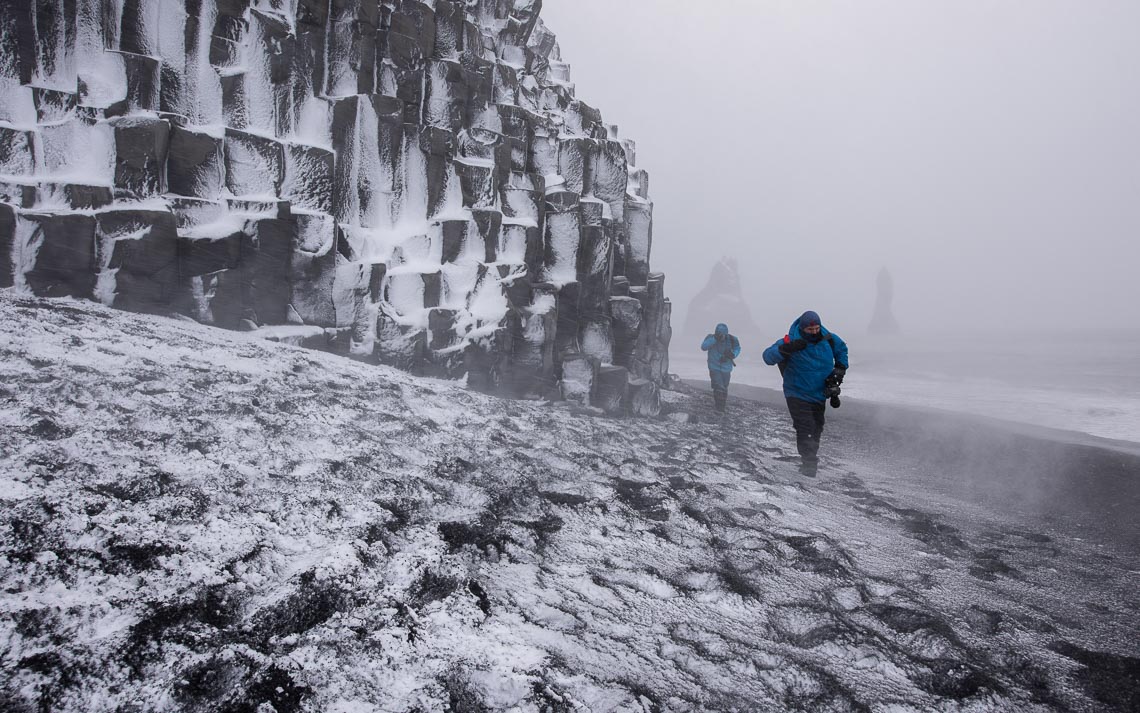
x=986 y=151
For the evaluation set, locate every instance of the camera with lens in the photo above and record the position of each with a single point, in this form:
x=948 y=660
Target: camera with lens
x=831 y=386
x=726 y=353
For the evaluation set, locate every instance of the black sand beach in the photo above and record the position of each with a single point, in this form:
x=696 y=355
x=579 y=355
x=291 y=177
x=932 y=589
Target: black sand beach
x=1083 y=485
x=219 y=522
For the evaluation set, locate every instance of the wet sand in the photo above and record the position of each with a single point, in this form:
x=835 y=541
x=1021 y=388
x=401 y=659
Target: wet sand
x=1083 y=485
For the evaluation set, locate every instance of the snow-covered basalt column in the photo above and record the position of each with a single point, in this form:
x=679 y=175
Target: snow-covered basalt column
x=409 y=181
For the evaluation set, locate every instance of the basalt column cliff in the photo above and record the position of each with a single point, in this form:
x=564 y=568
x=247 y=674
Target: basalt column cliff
x=408 y=181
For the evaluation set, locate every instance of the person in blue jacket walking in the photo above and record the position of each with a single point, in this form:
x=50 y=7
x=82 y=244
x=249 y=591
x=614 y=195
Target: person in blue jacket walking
x=807 y=355
x=723 y=348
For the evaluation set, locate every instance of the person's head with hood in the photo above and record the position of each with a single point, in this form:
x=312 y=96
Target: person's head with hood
x=721 y=331
x=810 y=326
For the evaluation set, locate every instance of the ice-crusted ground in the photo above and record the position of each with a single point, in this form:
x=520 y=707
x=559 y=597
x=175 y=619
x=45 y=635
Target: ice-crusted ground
x=193 y=519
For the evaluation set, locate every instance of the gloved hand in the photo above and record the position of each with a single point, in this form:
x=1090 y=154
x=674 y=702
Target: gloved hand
x=790 y=348
x=839 y=372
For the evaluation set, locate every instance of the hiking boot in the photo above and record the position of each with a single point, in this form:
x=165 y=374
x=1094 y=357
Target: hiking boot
x=808 y=470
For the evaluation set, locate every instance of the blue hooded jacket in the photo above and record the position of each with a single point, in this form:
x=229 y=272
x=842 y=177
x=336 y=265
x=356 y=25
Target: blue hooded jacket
x=808 y=369
x=721 y=353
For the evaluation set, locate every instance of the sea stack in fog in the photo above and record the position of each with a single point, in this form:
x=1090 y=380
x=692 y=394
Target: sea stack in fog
x=410 y=181
x=883 y=320
x=720 y=300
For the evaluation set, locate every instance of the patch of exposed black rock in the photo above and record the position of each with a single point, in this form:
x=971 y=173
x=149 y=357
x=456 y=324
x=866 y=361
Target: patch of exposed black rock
x=481 y=595
x=550 y=700
x=431 y=587
x=948 y=678
x=1111 y=679
x=125 y=556
x=820 y=555
x=237 y=684
x=49 y=430
x=988 y=565
x=735 y=579
x=983 y=620
x=312 y=603
x=202 y=619
x=647 y=498
x=484 y=535
x=568 y=499
x=181 y=502
x=60 y=678
x=909 y=621
x=462 y=697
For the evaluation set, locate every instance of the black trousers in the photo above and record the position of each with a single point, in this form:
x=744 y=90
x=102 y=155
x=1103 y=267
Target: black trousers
x=807 y=419
x=720 y=381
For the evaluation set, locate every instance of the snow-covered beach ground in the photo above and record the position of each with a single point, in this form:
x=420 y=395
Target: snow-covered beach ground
x=197 y=520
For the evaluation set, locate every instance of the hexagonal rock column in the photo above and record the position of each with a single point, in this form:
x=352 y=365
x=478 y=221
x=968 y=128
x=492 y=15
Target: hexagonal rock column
x=487 y=361
x=651 y=353
x=626 y=328
x=579 y=374
x=255 y=165
x=610 y=388
x=563 y=236
x=55 y=254
x=639 y=231
x=312 y=269
x=139 y=253
x=643 y=398
x=194 y=166
x=532 y=348
x=7 y=238
x=141 y=146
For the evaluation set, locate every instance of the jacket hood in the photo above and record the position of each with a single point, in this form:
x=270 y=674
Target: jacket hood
x=722 y=328
x=794 y=330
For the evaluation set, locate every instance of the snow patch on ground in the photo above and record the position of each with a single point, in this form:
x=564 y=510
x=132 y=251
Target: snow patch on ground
x=193 y=519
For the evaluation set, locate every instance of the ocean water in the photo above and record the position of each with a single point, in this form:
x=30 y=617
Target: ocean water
x=1082 y=381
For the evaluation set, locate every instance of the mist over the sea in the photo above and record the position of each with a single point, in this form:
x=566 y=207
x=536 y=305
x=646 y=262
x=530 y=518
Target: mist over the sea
x=986 y=153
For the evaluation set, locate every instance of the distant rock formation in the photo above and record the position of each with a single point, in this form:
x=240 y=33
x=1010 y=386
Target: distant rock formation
x=883 y=320
x=721 y=300
x=410 y=181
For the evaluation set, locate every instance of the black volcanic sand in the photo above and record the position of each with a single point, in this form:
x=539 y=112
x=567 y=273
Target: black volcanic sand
x=218 y=523
x=1082 y=485
x=937 y=470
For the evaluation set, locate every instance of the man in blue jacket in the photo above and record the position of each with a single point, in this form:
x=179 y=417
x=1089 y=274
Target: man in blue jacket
x=723 y=348
x=807 y=355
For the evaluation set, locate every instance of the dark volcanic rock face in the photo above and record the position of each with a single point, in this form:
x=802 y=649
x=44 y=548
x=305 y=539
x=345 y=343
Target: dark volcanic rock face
x=196 y=520
x=440 y=196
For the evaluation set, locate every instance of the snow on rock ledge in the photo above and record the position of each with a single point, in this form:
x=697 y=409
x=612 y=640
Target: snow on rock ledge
x=416 y=178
